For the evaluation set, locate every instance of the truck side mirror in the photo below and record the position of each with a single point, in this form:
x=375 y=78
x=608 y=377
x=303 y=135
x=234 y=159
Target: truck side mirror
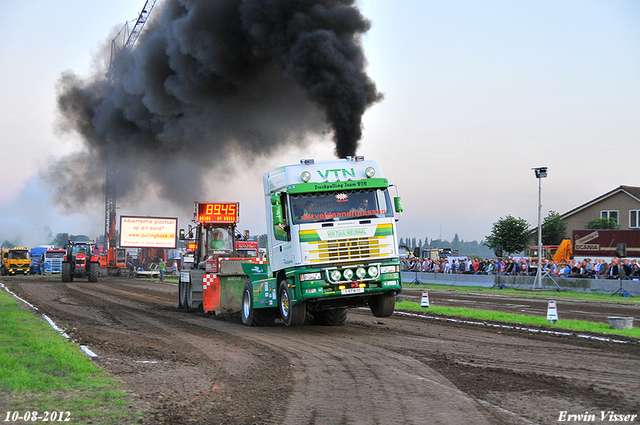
x=276 y=211
x=397 y=201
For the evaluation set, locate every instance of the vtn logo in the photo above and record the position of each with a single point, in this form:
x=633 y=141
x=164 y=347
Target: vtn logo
x=258 y=270
x=345 y=173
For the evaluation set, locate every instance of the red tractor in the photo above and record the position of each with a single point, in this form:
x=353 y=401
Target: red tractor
x=80 y=260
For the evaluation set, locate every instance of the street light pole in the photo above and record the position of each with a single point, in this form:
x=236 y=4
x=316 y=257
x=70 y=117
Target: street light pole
x=541 y=173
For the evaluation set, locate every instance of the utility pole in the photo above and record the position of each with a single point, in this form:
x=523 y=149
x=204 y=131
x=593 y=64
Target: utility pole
x=541 y=173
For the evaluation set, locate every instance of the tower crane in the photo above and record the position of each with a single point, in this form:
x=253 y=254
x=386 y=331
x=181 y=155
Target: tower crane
x=129 y=38
x=111 y=260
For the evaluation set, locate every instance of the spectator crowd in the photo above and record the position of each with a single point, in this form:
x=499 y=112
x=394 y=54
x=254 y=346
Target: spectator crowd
x=598 y=269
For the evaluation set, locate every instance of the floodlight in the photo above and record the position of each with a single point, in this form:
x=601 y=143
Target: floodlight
x=541 y=172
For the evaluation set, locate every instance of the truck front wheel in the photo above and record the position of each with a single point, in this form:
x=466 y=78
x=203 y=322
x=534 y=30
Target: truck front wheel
x=292 y=315
x=383 y=305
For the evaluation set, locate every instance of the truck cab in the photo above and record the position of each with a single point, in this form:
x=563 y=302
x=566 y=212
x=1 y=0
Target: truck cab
x=332 y=243
x=15 y=261
x=36 y=256
x=53 y=260
x=247 y=248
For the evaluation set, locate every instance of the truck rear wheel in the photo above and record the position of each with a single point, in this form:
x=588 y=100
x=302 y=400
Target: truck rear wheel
x=334 y=317
x=247 y=304
x=383 y=305
x=255 y=317
x=66 y=272
x=292 y=315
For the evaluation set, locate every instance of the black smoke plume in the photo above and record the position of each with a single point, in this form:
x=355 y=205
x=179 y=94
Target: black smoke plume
x=209 y=81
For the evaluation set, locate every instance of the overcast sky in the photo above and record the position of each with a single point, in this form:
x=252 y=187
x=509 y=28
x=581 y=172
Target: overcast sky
x=476 y=93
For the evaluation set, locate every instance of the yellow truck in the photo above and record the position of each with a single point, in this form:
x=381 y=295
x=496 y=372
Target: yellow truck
x=15 y=261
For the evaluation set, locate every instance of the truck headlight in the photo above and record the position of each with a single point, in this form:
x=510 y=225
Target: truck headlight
x=373 y=271
x=335 y=275
x=310 y=276
x=348 y=274
x=361 y=272
x=388 y=269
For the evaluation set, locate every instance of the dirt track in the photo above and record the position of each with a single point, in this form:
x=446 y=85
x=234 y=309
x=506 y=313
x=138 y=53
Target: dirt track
x=187 y=368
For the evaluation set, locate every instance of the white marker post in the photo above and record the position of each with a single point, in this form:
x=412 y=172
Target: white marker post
x=425 y=299
x=552 y=312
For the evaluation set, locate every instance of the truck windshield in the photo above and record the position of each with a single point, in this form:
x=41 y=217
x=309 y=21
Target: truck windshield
x=18 y=255
x=340 y=206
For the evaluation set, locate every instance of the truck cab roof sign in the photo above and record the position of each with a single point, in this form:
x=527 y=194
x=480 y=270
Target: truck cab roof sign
x=331 y=186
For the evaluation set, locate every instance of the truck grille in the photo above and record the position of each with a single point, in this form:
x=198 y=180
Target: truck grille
x=350 y=249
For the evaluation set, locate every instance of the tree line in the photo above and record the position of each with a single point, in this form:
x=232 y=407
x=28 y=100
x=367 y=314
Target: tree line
x=511 y=235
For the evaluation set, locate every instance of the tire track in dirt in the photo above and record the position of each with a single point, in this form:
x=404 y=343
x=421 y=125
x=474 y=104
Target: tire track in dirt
x=364 y=383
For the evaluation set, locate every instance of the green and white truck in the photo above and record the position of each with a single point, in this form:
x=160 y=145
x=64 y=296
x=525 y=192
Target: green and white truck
x=332 y=244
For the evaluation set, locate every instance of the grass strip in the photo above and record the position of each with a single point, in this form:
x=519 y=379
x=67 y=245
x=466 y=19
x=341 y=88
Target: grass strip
x=547 y=294
x=496 y=316
x=42 y=371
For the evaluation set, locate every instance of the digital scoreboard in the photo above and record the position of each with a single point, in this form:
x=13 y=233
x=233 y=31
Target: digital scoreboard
x=217 y=212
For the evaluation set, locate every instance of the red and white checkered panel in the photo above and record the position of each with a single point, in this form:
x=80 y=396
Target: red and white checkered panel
x=207 y=280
